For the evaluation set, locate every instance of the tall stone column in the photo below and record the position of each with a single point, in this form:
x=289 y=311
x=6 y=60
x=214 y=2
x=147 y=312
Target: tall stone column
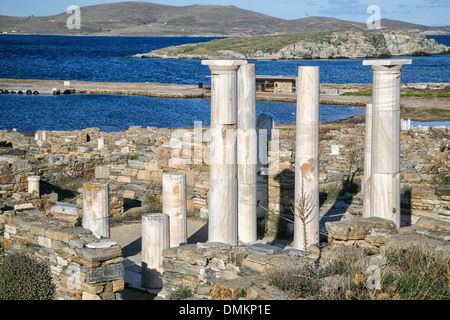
x=247 y=154
x=365 y=185
x=33 y=185
x=155 y=238
x=223 y=189
x=100 y=143
x=385 y=179
x=96 y=208
x=307 y=158
x=175 y=206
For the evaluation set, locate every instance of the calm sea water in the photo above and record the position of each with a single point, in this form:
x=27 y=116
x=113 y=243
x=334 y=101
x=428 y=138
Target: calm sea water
x=104 y=59
x=117 y=112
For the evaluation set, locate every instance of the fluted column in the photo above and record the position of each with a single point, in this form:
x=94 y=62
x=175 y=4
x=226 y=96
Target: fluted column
x=385 y=179
x=223 y=190
x=96 y=208
x=155 y=239
x=175 y=206
x=365 y=185
x=247 y=154
x=307 y=158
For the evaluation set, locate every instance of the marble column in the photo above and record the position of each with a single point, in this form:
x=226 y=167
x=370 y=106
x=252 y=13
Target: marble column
x=365 y=185
x=155 y=238
x=247 y=149
x=223 y=189
x=174 y=204
x=307 y=157
x=385 y=177
x=101 y=143
x=33 y=186
x=96 y=208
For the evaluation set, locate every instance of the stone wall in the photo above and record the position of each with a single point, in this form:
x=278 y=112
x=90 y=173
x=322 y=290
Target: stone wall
x=219 y=271
x=82 y=266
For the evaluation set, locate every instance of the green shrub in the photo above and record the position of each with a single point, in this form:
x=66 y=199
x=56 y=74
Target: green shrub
x=25 y=278
x=445 y=182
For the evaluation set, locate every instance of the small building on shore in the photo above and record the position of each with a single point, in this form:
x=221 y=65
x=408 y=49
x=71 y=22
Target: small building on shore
x=276 y=84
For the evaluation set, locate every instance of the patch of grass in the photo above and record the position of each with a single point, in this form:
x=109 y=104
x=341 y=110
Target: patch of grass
x=6 y=26
x=445 y=183
x=96 y=25
x=359 y=93
x=247 y=44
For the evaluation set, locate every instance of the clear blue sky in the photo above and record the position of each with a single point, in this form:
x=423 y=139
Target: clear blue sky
x=426 y=12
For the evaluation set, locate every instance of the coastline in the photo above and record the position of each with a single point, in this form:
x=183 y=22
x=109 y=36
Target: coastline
x=418 y=105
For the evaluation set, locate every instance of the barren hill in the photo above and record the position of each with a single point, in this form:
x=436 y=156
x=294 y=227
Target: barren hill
x=148 y=19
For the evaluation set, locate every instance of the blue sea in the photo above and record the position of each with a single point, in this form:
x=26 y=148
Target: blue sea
x=104 y=59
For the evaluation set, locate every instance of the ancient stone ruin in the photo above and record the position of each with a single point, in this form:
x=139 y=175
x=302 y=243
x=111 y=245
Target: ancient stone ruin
x=229 y=173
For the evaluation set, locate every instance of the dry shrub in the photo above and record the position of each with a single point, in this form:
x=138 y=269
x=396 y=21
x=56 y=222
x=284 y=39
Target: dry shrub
x=407 y=274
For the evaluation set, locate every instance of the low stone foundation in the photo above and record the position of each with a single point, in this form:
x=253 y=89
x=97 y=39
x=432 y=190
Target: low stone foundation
x=219 y=271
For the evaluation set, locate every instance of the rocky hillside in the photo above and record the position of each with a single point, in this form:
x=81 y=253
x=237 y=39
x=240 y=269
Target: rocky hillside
x=307 y=45
x=130 y=18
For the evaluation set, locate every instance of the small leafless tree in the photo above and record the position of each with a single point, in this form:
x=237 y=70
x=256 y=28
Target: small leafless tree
x=302 y=209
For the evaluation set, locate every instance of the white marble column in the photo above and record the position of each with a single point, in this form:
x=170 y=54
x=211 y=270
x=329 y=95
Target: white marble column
x=174 y=203
x=365 y=185
x=307 y=157
x=223 y=190
x=385 y=179
x=247 y=149
x=33 y=185
x=96 y=208
x=101 y=143
x=155 y=238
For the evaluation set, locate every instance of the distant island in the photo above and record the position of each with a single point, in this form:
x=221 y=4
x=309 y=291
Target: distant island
x=149 y=19
x=306 y=45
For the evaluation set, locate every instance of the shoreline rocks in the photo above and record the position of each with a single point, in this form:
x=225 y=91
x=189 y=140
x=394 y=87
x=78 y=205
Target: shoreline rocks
x=334 y=45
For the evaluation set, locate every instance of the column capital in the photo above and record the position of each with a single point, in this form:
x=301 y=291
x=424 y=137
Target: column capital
x=224 y=65
x=387 y=64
